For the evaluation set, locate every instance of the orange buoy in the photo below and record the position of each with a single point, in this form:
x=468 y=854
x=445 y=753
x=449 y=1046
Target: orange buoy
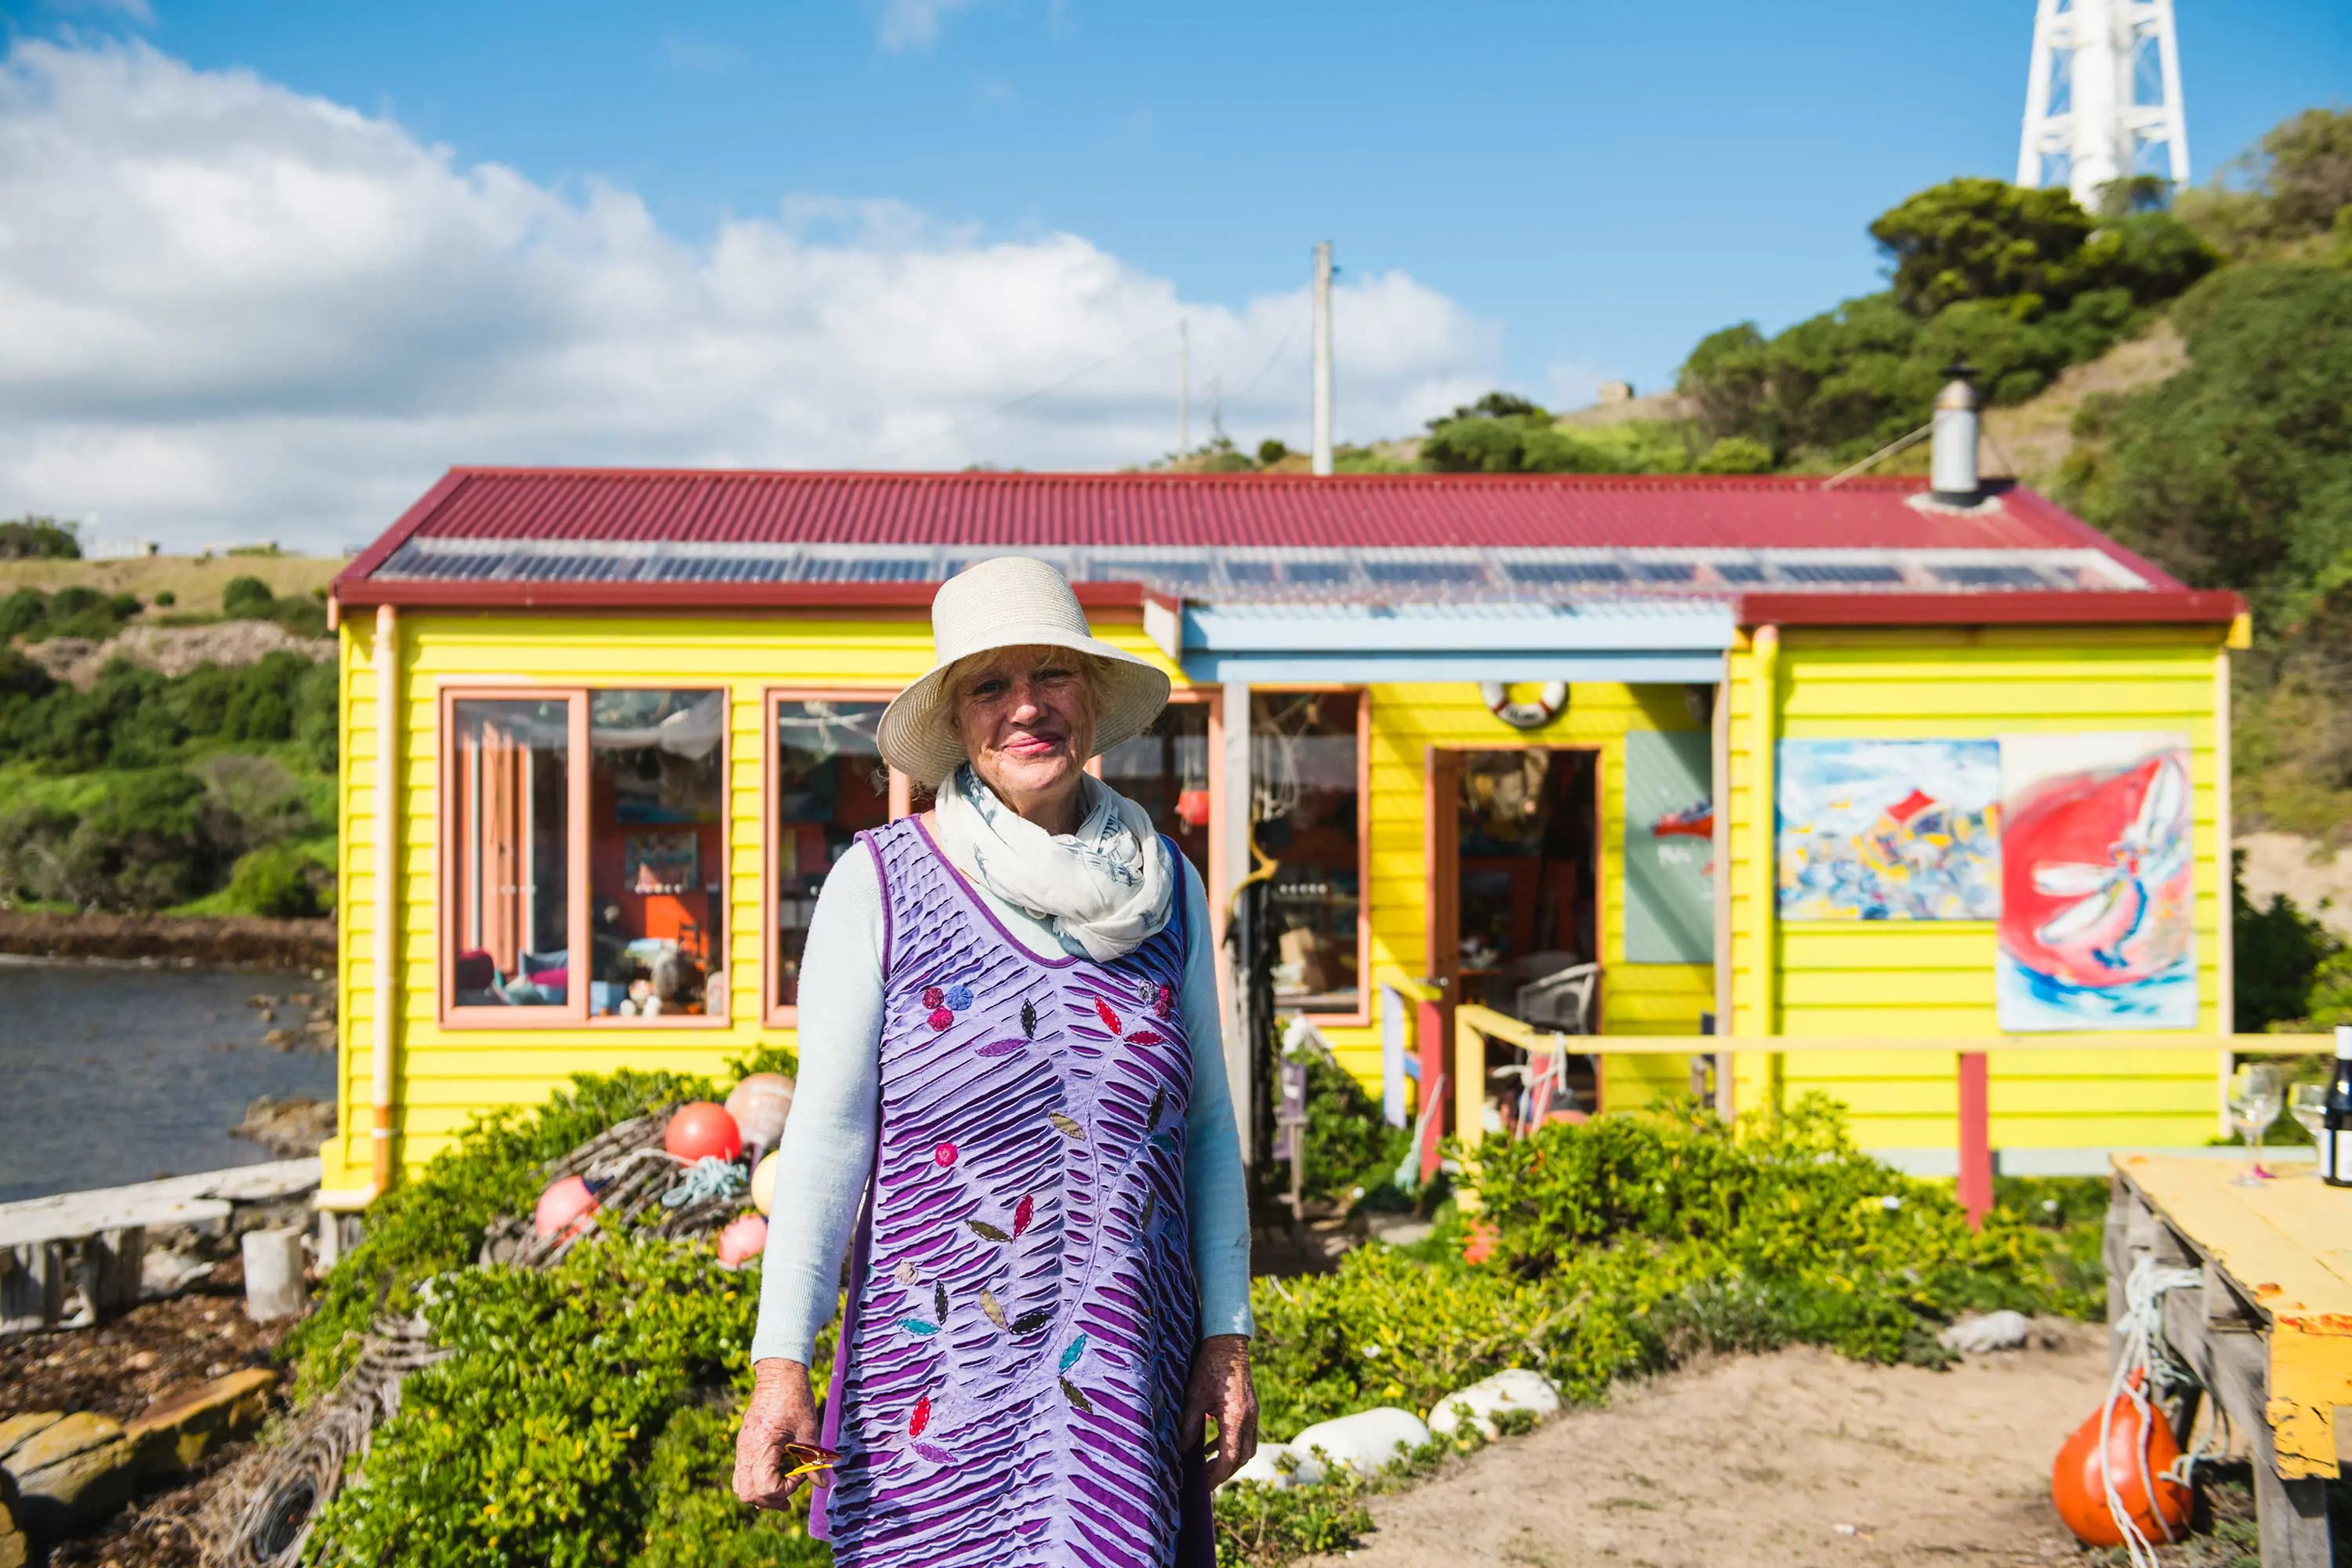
x=742 y=1240
x=2140 y=1450
x=700 y=1130
x=565 y=1208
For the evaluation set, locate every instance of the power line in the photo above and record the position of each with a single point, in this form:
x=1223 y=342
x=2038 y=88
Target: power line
x=1288 y=332
x=1025 y=397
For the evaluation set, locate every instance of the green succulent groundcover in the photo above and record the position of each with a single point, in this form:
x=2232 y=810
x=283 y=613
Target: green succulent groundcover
x=587 y=1414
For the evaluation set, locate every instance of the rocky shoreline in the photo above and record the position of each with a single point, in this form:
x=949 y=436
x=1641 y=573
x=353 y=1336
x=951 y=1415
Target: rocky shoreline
x=239 y=940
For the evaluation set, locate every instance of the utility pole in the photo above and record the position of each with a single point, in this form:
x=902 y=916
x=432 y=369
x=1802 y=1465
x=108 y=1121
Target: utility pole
x=1183 y=387
x=1323 y=357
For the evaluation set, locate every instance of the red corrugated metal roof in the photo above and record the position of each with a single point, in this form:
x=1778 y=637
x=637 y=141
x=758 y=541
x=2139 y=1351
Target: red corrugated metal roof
x=1279 y=510
x=1359 y=511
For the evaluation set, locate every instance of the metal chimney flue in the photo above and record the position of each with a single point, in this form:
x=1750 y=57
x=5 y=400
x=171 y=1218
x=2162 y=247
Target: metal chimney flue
x=1954 y=476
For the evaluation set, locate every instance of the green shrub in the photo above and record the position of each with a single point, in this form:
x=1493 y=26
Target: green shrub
x=1737 y=455
x=435 y=1221
x=30 y=537
x=1633 y=1241
x=166 y=599
x=276 y=880
x=587 y=1413
x=1348 y=1144
x=247 y=598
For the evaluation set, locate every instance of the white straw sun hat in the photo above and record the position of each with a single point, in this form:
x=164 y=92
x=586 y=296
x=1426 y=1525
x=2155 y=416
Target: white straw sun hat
x=1012 y=601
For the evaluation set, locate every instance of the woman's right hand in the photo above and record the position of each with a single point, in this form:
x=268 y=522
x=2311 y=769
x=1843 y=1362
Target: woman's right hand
x=781 y=1410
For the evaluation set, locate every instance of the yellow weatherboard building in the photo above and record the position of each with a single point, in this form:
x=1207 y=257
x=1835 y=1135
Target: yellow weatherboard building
x=1755 y=760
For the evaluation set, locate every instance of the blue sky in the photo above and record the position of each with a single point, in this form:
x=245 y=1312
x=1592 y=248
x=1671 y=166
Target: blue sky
x=1608 y=181
x=287 y=261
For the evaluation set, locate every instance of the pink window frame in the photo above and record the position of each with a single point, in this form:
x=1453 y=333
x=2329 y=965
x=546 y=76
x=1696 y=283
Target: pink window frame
x=775 y=1013
x=575 y=1012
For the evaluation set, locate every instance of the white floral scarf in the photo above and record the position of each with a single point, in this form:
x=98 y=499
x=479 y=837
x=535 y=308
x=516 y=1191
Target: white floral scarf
x=1103 y=890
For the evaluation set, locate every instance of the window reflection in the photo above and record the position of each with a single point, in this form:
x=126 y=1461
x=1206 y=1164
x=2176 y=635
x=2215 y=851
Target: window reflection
x=656 y=875
x=1305 y=780
x=830 y=785
x=510 y=852
x=1166 y=771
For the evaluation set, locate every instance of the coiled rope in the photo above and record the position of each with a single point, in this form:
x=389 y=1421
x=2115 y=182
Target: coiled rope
x=2143 y=1361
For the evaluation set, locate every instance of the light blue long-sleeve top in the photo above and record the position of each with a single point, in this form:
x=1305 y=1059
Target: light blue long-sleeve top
x=827 y=1147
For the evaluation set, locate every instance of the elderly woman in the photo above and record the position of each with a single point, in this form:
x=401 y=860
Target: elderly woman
x=1010 y=1052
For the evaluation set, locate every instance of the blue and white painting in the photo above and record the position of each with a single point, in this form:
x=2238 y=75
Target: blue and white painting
x=1889 y=830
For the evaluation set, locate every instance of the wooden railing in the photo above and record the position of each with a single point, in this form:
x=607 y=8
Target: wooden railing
x=1473 y=1026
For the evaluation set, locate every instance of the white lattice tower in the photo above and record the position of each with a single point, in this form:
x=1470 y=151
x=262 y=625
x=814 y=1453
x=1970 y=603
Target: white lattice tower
x=2102 y=97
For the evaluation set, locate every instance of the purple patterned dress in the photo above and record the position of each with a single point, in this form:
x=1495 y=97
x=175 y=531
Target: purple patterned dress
x=1021 y=1311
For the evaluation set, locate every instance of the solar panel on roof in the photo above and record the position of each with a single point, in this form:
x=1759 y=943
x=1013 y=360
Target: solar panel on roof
x=1806 y=572
x=1568 y=572
x=1988 y=576
x=1424 y=570
x=1738 y=571
x=1249 y=571
x=865 y=569
x=1665 y=571
x=1316 y=571
x=1152 y=570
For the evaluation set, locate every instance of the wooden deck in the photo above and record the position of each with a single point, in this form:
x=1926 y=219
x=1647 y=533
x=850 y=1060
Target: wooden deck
x=2270 y=1331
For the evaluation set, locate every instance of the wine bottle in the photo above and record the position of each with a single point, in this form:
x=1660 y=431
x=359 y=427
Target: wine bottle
x=2336 y=1126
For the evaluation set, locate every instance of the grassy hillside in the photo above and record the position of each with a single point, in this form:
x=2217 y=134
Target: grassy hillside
x=195 y=583
x=126 y=789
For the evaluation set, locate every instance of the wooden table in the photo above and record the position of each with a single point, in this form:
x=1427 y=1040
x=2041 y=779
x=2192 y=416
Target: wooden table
x=2269 y=1332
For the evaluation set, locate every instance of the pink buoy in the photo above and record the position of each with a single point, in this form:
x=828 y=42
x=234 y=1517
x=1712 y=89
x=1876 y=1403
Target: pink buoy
x=701 y=1131
x=567 y=1208
x=742 y=1240
x=759 y=1105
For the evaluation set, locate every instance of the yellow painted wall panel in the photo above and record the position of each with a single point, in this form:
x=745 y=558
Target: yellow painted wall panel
x=1937 y=978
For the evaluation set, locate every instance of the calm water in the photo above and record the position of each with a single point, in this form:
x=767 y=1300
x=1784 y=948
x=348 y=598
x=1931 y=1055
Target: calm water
x=114 y=1073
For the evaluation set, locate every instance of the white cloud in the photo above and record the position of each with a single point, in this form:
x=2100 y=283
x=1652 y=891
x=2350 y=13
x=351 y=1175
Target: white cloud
x=914 y=23
x=235 y=311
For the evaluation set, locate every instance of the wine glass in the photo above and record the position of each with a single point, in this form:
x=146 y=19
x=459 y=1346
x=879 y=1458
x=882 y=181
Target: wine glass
x=2254 y=1100
x=2308 y=1103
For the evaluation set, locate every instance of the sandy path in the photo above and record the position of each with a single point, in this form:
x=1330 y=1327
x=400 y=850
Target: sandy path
x=1760 y=1460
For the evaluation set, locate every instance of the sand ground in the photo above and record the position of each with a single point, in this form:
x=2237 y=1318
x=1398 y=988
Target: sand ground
x=1794 y=1457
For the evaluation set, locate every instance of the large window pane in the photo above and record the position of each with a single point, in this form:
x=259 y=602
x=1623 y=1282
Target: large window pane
x=656 y=868
x=1305 y=776
x=509 y=851
x=1166 y=771
x=830 y=785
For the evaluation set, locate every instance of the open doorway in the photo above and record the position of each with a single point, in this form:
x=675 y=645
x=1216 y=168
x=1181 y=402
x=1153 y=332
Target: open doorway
x=1516 y=911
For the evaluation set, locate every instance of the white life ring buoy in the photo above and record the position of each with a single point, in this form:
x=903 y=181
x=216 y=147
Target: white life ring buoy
x=1524 y=715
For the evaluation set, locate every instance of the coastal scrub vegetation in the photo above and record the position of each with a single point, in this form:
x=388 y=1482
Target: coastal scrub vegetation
x=209 y=792
x=587 y=1411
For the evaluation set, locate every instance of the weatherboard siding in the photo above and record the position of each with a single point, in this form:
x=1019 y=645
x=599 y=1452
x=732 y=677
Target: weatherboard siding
x=447 y=1076
x=1842 y=979
x=1937 y=978
x=1409 y=719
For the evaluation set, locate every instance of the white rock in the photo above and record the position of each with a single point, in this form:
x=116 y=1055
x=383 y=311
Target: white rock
x=1489 y=1397
x=1365 y=1441
x=2001 y=1330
